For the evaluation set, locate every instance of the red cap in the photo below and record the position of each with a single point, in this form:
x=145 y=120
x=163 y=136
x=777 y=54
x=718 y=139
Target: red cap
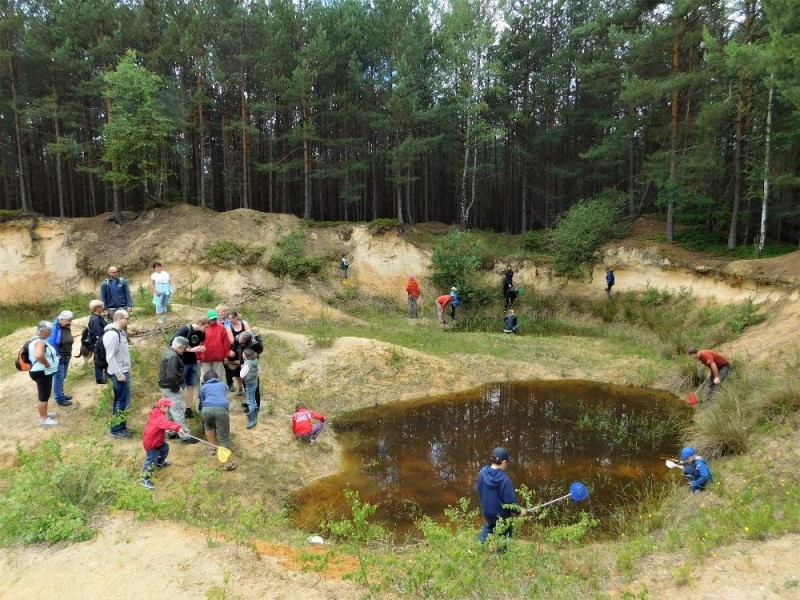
x=163 y=402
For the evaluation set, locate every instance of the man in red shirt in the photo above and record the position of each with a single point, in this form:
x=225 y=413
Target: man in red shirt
x=717 y=364
x=217 y=346
x=302 y=425
x=441 y=302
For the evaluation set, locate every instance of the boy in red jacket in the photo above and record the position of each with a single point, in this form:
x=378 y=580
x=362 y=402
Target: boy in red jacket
x=153 y=440
x=302 y=425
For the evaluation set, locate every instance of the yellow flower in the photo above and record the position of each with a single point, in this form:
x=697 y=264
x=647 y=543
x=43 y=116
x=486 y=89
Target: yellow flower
x=747 y=529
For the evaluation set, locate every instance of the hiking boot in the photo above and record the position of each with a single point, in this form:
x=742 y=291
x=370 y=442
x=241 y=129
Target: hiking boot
x=189 y=440
x=48 y=422
x=166 y=463
x=188 y=413
x=144 y=482
x=121 y=435
x=65 y=402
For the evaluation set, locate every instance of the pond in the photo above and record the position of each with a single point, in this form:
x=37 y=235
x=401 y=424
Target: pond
x=419 y=457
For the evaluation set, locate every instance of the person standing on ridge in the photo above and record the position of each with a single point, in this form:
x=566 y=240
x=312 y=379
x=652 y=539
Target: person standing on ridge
x=412 y=289
x=609 y=280
x=115 y=293
x=344 y=266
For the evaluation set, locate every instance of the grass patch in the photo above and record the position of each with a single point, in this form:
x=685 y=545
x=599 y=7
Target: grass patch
x=26 y=314
x=226 y=253
x=290 y=257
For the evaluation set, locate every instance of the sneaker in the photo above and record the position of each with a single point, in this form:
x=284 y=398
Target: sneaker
x=144 y=482
x=240 y=392
x=51 y=413
x=121 y=435
x=48 y=422
x=189 y=440
x=67 y=397
x=166 y=463
x=188 y=413
x=65 y=402
x=251 y=424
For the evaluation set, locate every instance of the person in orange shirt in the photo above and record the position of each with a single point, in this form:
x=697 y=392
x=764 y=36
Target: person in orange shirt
x=441 y=302
x=412 y=289
x=717 y=364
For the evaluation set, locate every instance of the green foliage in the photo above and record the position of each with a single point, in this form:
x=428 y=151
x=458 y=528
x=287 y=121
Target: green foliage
x=229 y=253
x=55 y=494
x=290 y=257
x=455 y=261
x=536 y=241
x=585 y=227
x=322 y=330
x=28 y=314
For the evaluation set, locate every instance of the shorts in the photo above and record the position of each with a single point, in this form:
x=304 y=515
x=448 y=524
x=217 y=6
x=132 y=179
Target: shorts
x=190 y=374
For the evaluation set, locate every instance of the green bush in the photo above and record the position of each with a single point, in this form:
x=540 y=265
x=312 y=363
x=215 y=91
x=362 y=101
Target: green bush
x=226 y=253
x=290 y=258
x=585 y=227
x=456 y=259
x=536 y=241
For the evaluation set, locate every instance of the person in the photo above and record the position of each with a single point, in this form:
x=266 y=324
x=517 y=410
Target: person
x=217 y=345
x=441 y=302
x=496 y=490
x=718 y=366
x=412 y=289
x=344 y=265
x=233 y=364
x=195 y=332
x=118 y=355
x=171 y=380
x=609 y=280
x=695 y=468
x=303 y=426
x=510 y=323
x=61 y=339
x=44 y=364
x=153 y=442
x=453 y=302
x=213 y=403
x=97 y=325
x=508 y=278
x=245 y=340
x=511 y=297
x=161 y=287
x=115 y=293
x=250 y=373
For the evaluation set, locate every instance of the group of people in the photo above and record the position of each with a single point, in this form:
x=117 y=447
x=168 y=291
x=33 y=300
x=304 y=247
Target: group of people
x=219 y=344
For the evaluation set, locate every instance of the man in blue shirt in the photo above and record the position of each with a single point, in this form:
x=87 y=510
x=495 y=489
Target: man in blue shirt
x=115 y=293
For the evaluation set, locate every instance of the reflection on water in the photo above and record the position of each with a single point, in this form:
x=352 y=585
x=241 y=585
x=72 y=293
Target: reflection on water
x=420 y=457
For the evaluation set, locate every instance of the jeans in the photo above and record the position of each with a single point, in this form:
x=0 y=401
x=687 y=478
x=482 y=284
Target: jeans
x=250 y=389
x=412 y=307
x=122 y=402
x=154 y=457
x=99 y=375
x=177 y=413
x=59 y=377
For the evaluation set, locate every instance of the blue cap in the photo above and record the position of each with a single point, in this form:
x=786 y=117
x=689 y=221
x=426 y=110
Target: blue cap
x=499 y=455
x=687 y=453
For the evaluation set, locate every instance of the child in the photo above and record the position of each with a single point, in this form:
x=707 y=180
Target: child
x=250 y=373
x=696 y=469
x=302 y=425
x=510 y=323
x=153 y=440
x=344 y=265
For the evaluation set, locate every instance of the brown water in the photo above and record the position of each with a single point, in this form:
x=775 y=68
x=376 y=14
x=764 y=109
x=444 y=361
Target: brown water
x=419 y=457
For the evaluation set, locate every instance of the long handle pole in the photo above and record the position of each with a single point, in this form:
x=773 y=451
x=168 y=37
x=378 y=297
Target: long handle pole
x=205 y=442
x=551 y=502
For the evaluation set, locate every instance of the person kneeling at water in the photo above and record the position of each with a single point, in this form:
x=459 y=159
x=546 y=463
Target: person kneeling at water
x=510 y=323
x=303 y=427
x=696 y=469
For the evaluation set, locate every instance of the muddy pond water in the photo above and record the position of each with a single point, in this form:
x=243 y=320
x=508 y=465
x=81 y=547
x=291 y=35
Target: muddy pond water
x=419 y=457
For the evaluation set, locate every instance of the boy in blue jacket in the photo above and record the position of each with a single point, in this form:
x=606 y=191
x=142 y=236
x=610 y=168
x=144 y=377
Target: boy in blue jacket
x=696 y=469
x=495 y=490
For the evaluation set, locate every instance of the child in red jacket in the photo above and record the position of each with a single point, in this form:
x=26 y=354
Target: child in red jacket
x=304 y=429
x=153 y=440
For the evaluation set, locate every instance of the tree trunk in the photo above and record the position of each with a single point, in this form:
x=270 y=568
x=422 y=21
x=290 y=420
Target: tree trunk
x=673 y=159
x=114 y=186
x=23 y=192
x=306 y=160
x=767 y=137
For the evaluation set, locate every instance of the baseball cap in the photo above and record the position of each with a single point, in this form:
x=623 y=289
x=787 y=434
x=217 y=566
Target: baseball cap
x=182 y=341
x=687 y=453
x=212 y=314
x=163 y=402
x=452 y=289
x=499 y=455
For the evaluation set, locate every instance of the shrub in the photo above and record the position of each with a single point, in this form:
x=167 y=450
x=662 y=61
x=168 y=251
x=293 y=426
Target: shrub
x=226 y=252
x=456 y=258
x=535 y=241
x=585 y=227
x=291 y=259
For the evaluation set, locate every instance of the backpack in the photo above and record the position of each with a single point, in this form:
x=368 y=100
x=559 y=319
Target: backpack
x=87 y=339
x=23 y=361
x=100 y=359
